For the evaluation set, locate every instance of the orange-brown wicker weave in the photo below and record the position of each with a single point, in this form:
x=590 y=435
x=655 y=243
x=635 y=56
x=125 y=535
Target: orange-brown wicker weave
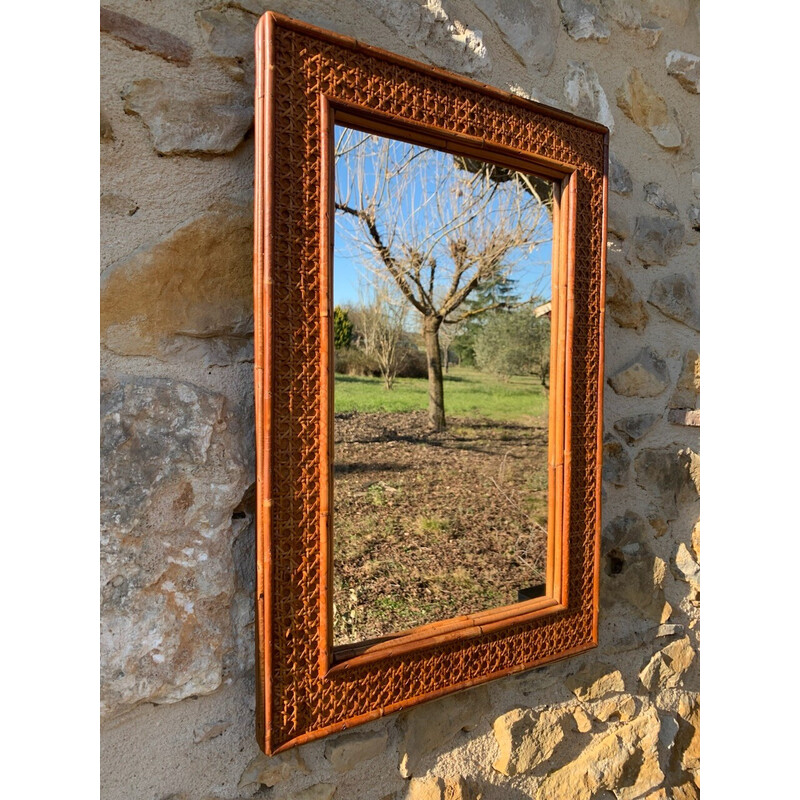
x=306 y=79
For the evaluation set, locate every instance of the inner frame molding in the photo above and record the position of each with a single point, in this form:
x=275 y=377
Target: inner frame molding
x=307 y=80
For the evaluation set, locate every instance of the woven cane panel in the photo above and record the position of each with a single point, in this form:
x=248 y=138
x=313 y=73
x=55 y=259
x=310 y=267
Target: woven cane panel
x=302 y=701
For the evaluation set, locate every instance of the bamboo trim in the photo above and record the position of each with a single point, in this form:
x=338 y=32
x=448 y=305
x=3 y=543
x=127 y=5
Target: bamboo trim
x=328 y=387
x=357 y=46
x=370 y=121
x=391 y=708
x=569 y=312
x=424 y=635
x=303 y=704
x=262 y=223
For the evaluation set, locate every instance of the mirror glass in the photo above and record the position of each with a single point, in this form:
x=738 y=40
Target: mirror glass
x=441 y=328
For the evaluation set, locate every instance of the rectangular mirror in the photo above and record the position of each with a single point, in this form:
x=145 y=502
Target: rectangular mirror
x=428 y=298
x=442 y=290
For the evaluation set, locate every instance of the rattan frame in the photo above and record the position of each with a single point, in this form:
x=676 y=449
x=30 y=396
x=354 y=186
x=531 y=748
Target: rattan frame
x=307 y=78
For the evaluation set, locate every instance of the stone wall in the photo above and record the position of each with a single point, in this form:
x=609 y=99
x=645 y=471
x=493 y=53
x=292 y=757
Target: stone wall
x=177 y=414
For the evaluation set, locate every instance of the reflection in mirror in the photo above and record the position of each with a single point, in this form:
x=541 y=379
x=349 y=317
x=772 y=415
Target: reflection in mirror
x=442 y=289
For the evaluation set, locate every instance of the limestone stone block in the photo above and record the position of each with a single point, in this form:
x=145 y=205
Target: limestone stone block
x=229 y=33
x=594 y=680
x=624 y=759
x=656 y=195
x=657 y=239
x=684 y=416
x=432 y=787
x=345 y=752
x=526 y=739
x=616 y=461
x=687 y=389
x=685 y=68
x=117 y=205
x=583 y=20
x=629 y=16
x=665 y=670
x=626 y=530
x=677 y=297
x=619 y=223
x=140 y=36
x=583 y=722
x=529 y=27
x=623 y=302
x=435 y=724
x=671 y=475
x=432 y=28
x=641 y=103
x=106 y=130
x=619 y=177
x=633 y=574
x=619 y=708
x=645 y=375
x=693 y=215
x=696 y=539
x=584 y=94
x=187 y=297
x=272 y=770
x=186 y=120
x=635 y=427
x=173 y=470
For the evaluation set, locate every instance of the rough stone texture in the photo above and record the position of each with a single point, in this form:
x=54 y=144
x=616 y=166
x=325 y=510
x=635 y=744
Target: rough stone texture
x=582 y=20
x=423 y=729
x=676 y=11
x=186 y=122
x=623 y=302
x=173 y=471
x=200 y=747
x=140 y=36
x=670 y=474
x=630 y=17
x=619 y=177
x=271 y=770
x=658 y=198
x=229 y=33
x=641 y=103
x=106 y=129
x=656 y=239
x=528 y=26
x=685 y=67
x=435 y=788
x=667 y=667
x=347 y=751
x=693 y=215
x=687 y=389
x=432 y=29
x=595 y=680
x=187 y=297
x=526 y=739
x=118 y=205
x=585 y=95
x=677 y=297
x=632 y=573
x=684 y=416
x=624 y=759
x=634 y=428
x=645 y=375
x=616 y=461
